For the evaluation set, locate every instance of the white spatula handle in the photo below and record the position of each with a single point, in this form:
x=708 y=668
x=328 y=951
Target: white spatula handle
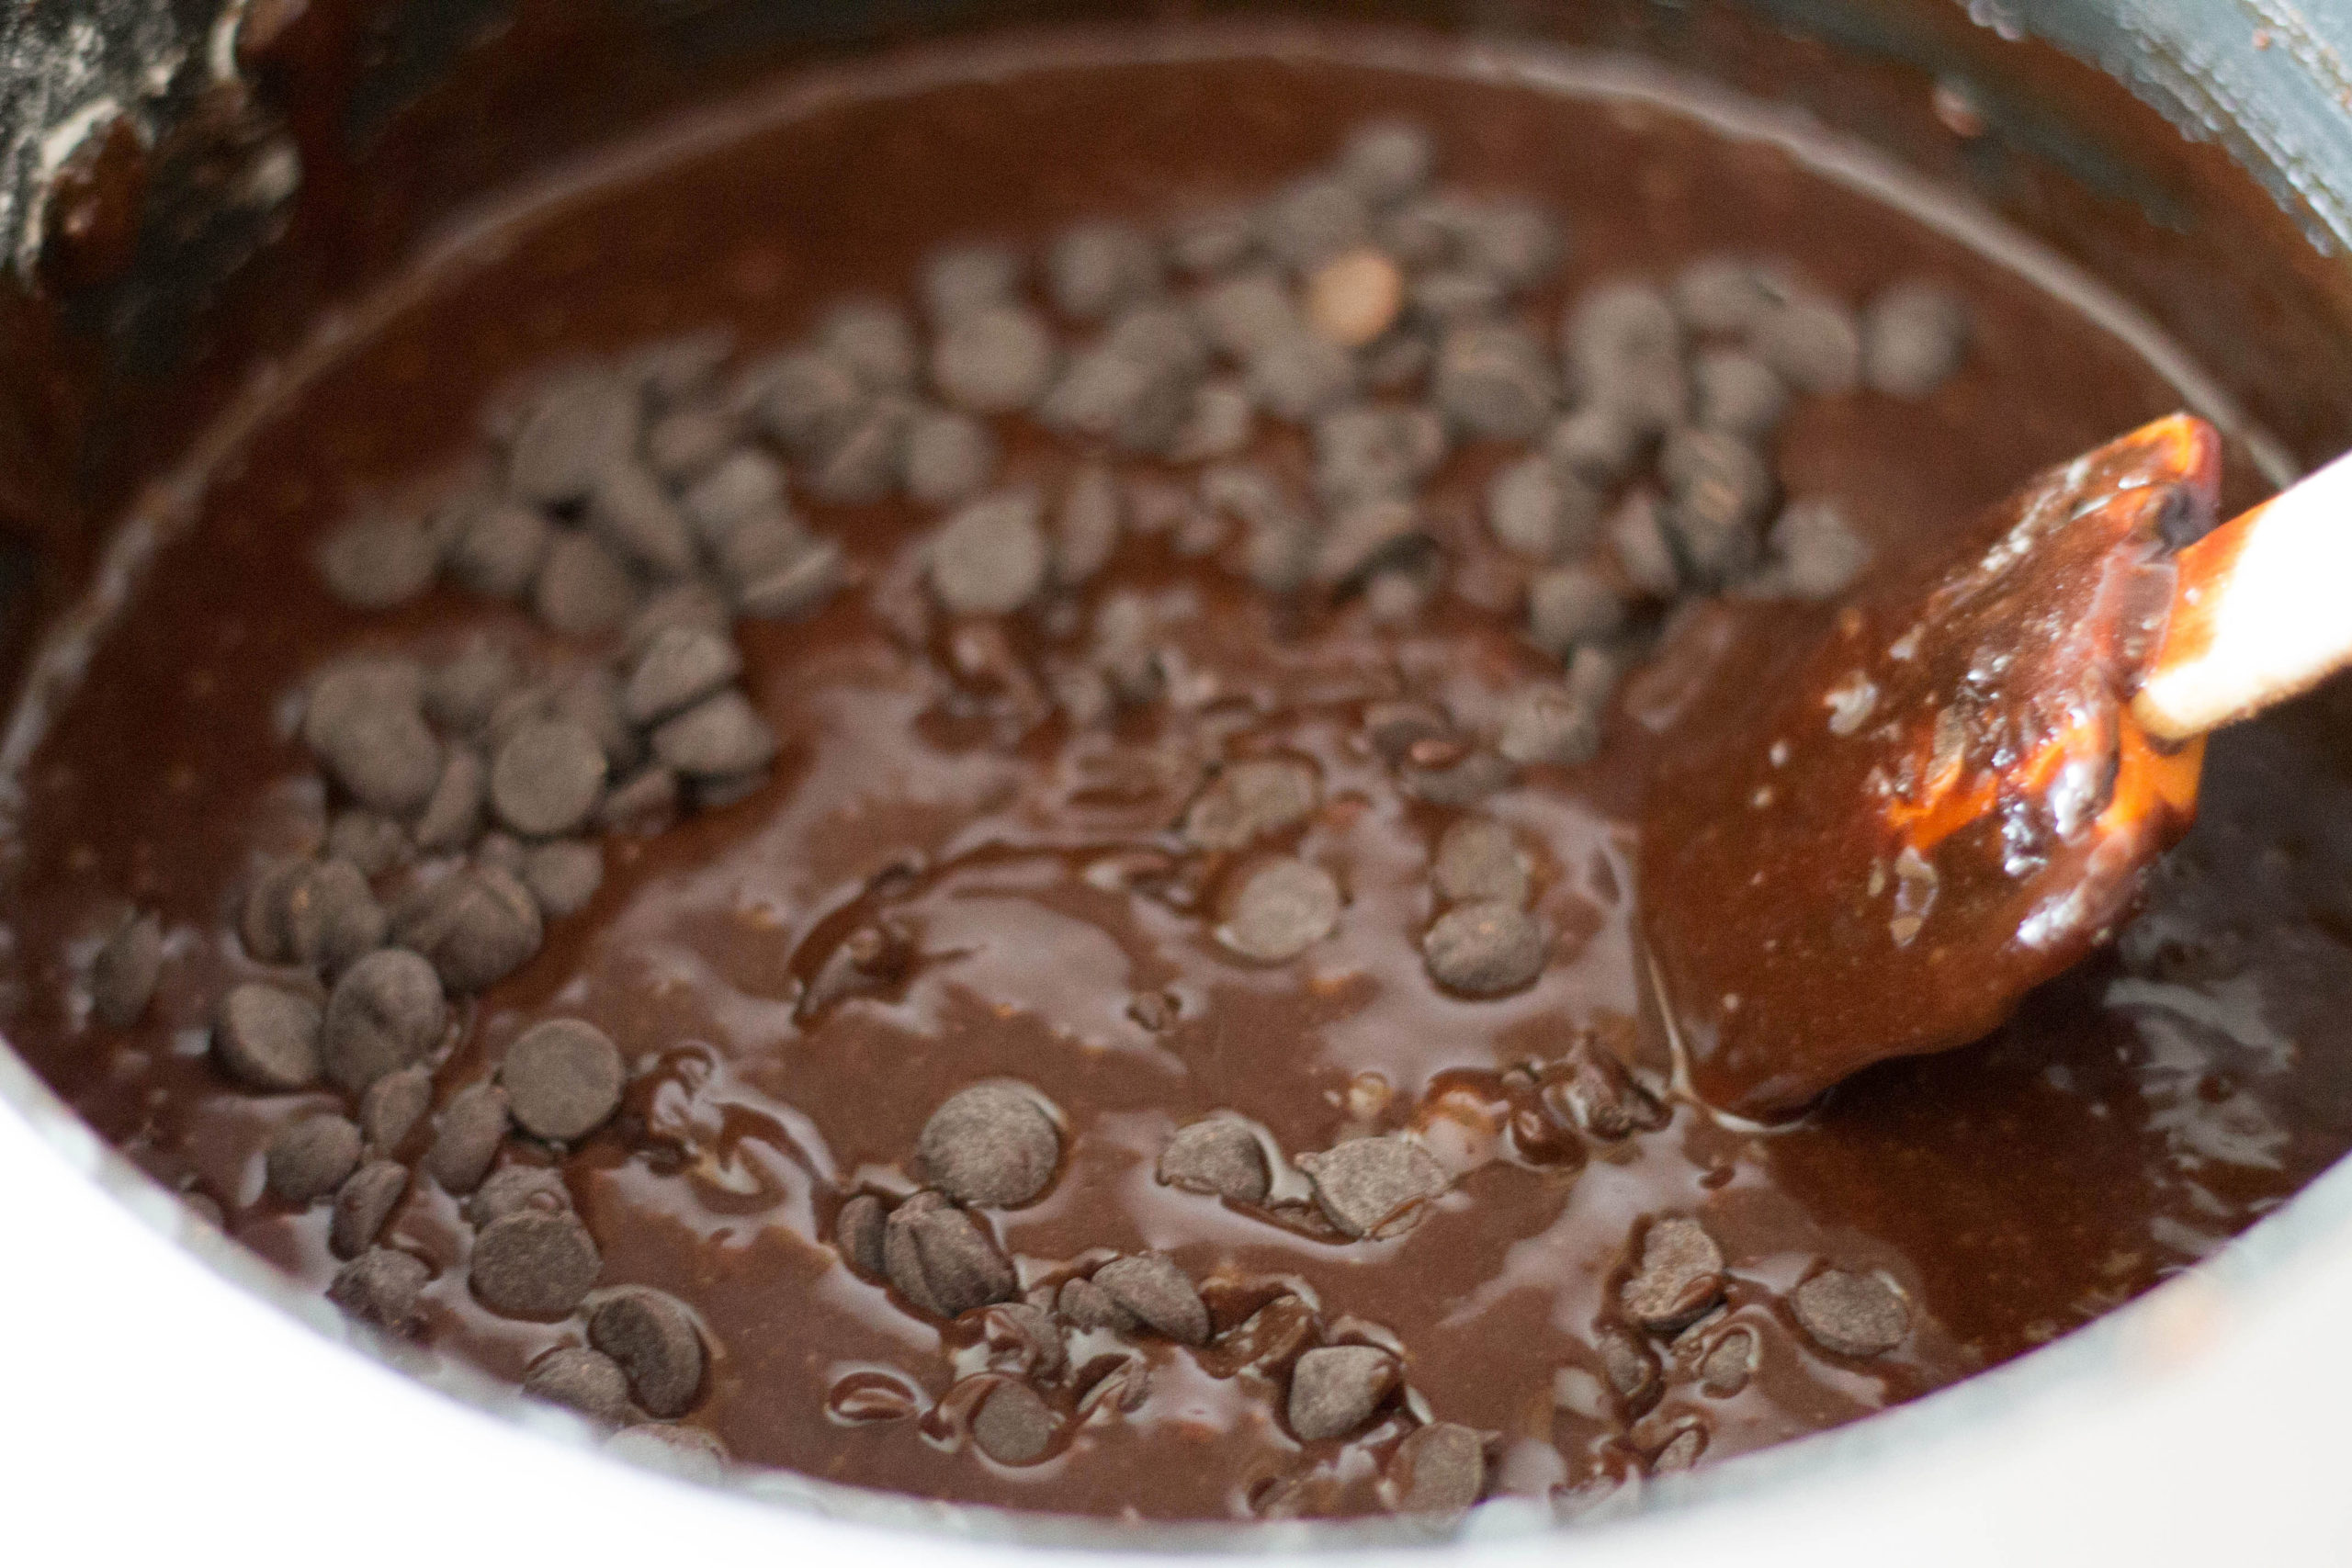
x=2262 y=610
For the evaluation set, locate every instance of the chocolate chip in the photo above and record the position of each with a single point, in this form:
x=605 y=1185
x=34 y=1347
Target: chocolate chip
x=500 y=548
x=678 y=369
x=1814 y=343
x=1266 y=1341
x=452 y=815
x=631 y=512
x=1157 y=1293
x=645 y=803
x=687 y=1452
x=1211 y=242
x=857 y=1234
x=370 y=841
x=1852 y=1315
x=1737 y=394
x=1724 y=295
x=942 y=1259
x=563 y=875
x=990 y=1144
x=1250 y=799
x=564 y=1078
x=654 y=1340
x=1456 y=775
x=1479 y=860
x=1300 y=374
x=1083 y=1303
x=1535 y=510
x=1550 y=722
x=746 y=487
x=1086 y=525
x=362 y=1204
x=1439 y=1468
x=1493 y=380
x=1485 y=949
x=1221 y=422
x=995 y=360
x=1624 y=349
x=123 y=973
x=687 y=442
x=1386 y=161
x=1014 y=1425
x=1719 y=492
x=582 y=588
x=1644 y=552
x=1372 y=452
x=511 y=1189
x=1681 y=1452
x=1095 y=268
x=1679 y=1277
x=1282 y=907
x=1374 y=1187
x=532 y=1264
x=798 y=587
x=721 y=737
x=386 y=1013
x=1915 y=336
x=467 y=1139
x=1515 y=242
x=1572 y=605
x=677 y=669
x=573 y=430
x=392 y=1106
x=1313 y=220
x=475 y=925
x=950 y=457
x=959 y=279
x=583 y=1380
x=317 y=914
x=591 y=699
x=1725 y=1369
x=1022 y=1337
x=266 y=1038
x=1139 y=404
x=1815 y=553
x=808 y=399
x=461 y=693
x=378 y=560
x=675 y=369
x=1601 y=1097
x=1632 y=1369
x=875 y=340
x=1334 y=1389
x=1220 y=1156
x=1247 y=315
x=380 y=1286
x=1599 y=444
x=310 y=1159
x=1450 y=294
x=366 y=726
x=547 y=776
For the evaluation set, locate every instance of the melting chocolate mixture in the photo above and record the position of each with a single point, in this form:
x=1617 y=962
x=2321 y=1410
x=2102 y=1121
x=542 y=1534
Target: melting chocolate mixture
x=957 y=872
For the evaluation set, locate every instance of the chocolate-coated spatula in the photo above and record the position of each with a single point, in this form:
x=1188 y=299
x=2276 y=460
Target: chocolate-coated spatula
x=1954 y=799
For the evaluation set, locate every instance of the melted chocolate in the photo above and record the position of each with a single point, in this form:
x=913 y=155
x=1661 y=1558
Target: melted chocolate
x=2132 y=1116
x=1945 y=804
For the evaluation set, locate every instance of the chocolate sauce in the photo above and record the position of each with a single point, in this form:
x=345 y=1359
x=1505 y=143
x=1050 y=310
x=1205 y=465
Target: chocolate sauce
x=1873 y=854
x=2132 y=1115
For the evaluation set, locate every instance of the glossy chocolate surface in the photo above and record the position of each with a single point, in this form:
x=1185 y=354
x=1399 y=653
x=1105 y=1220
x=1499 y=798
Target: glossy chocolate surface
x=2131 y=1117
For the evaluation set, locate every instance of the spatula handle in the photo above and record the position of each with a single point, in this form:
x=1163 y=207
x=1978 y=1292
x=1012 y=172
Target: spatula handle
x=2261 y=611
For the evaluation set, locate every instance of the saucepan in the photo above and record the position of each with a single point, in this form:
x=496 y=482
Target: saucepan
x=188 y=186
